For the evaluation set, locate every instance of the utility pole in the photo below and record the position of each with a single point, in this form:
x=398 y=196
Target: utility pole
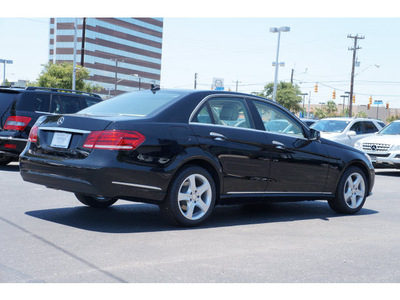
x=354 y=49
x=195 y=80
x=83 y=43
x=237 y=82
x=291 y=77
x=74 y=58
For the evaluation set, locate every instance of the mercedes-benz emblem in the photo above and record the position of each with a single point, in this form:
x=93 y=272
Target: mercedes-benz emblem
x=373 y=147
x=60 y=121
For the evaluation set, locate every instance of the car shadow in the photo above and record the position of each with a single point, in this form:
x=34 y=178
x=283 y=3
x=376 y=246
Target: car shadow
x=10 y=168
x=392 y=172
x=132 y=218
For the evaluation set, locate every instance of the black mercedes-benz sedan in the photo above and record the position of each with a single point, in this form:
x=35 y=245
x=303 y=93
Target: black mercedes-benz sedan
x=188 y=151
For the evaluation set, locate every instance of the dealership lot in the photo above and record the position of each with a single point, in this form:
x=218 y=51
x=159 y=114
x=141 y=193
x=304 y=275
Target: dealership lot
x=48 y=236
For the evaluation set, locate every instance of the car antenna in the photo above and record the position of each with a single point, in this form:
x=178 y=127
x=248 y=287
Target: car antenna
x=154 y=88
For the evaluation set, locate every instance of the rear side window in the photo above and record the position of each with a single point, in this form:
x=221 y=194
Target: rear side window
x=41 y=102
x=89 y=101
x=65 y=104
x=6 y=99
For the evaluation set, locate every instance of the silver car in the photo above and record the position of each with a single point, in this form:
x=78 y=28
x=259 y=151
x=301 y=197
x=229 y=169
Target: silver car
x=347 y=130
x=383 y=147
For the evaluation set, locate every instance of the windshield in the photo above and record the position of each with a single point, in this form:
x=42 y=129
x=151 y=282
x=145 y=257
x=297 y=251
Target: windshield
x=391 y=129
x=138 y=104
x=330 y=125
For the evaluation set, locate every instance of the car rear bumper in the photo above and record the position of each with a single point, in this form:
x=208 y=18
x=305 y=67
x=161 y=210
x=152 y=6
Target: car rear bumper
x=95 y=179
x=11 y=146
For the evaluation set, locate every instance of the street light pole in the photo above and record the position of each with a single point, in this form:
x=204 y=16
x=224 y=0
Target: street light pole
x=277 y=30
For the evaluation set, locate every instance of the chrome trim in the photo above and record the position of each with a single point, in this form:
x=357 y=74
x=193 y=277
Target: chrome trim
x=138 y=185
x=323 y=193
x=13 y=139
x=64 y=129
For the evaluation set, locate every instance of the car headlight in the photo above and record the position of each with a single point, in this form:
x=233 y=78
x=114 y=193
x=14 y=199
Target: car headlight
x=358 y=145
x=395 y=148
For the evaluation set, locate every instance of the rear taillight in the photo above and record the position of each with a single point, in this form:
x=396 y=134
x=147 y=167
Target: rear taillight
x=33 y=135
x=16 y=123
x=114 y=140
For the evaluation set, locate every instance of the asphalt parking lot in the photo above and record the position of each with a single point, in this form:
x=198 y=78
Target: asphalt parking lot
x=48 y=236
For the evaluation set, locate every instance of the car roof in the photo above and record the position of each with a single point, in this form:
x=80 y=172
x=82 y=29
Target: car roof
x=48 y=90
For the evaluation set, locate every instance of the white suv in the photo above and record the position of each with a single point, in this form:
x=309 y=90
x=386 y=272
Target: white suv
x=347 y=130
x=383 y=147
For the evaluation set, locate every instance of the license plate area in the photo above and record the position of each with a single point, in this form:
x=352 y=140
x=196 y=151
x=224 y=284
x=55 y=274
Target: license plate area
x=61 y=140
x=373 y=158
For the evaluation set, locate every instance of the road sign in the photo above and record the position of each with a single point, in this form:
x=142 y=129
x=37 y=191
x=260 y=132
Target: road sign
x=378 y=102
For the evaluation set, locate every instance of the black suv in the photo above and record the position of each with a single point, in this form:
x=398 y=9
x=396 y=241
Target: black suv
x=21 y=107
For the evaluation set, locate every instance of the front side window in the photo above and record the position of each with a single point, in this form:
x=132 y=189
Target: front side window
x=357 y=127
x=276 y=121
x=224 y=111
x=369 y=127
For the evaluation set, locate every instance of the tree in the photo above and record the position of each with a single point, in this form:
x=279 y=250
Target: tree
x=392 y=118
x=329 y=110
x=287 y=95
x=60 y=76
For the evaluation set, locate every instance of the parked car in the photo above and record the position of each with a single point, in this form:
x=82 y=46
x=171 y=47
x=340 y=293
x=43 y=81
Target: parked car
x=172 y=148
x=347 y=130
x=21 y=107
x=383 y=147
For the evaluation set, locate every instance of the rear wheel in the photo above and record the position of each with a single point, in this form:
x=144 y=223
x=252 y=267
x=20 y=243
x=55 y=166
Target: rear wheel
x=4 y=160
x=191 y=197
x=351 y=192
x=95 y=201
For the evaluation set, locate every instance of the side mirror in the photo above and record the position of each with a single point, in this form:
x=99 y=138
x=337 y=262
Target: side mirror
x=315 y=135
x=351 y=133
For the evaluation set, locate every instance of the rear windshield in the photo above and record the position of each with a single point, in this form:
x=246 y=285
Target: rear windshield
x=138 y=104
x=5 y=100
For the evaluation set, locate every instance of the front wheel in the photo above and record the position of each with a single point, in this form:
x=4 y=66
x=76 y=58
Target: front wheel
x=95 y=201
x=191 y=197
x=351 y=192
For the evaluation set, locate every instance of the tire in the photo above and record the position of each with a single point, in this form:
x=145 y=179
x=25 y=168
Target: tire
x=351 y=192
x=191 y=197
x=95 y=202
x=4 y=160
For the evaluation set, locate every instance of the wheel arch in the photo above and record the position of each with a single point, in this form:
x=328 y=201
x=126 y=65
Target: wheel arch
x=209 y=166
x=363 y=168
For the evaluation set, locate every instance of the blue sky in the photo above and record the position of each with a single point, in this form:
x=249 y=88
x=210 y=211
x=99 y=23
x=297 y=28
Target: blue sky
x=242 y=49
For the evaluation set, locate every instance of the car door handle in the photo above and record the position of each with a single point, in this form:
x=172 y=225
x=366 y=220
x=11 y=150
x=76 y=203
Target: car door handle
x=217 y=136
x=278 y=145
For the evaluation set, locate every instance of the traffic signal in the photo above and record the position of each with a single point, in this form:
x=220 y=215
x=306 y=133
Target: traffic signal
x=370 y=100
x=369 y=106
x=316 y=88
x=354 y=98
x=387 y=105
x=333 y=95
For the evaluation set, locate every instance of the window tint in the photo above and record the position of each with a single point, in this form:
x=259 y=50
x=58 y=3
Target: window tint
x=369 y=127
x=382 y=124
x=89 y=102
x=203 y=116
x=357 y=127
x=227 y=112
x=41 y=102
x=6 y=99
x=277 y=121
x=65 y=104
